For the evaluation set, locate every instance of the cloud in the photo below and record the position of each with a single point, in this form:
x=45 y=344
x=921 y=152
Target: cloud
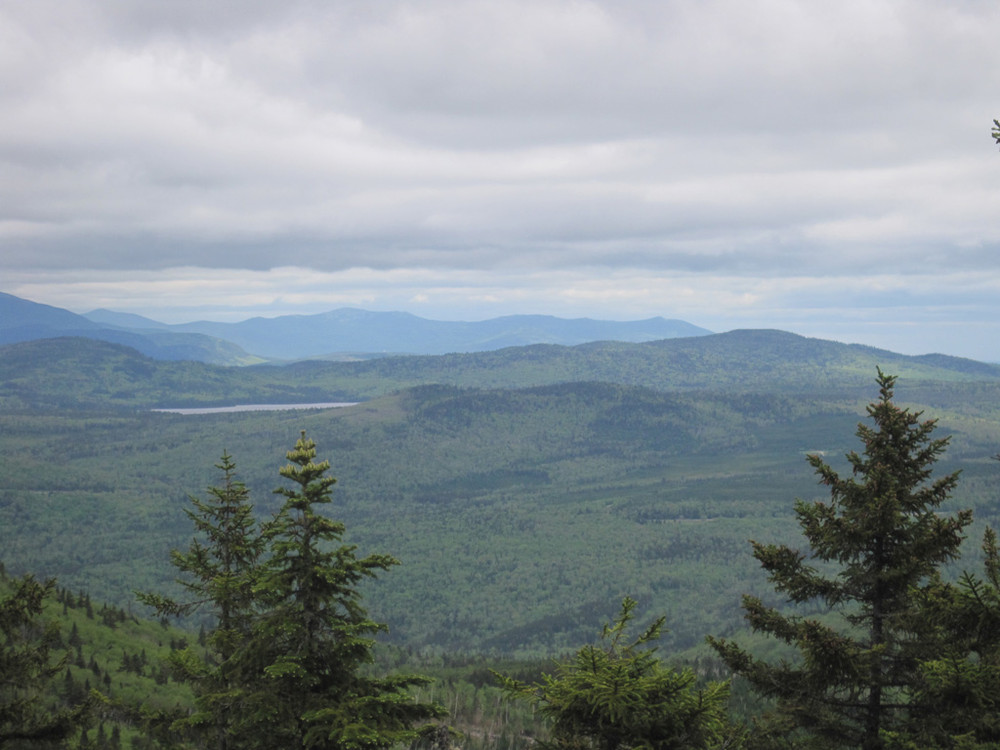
x=728 y=144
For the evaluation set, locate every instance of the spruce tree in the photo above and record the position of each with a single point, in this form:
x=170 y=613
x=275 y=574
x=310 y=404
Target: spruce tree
x=874 y=549
x=313 y=643
x=962 y=681
x=618 y=695
x=218 y=572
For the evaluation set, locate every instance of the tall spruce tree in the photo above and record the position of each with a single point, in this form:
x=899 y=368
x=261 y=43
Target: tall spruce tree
x=218 y=571
x=314 y=640
x=877 y=543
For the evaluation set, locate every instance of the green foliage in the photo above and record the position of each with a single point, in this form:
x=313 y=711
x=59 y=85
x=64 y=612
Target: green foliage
x=877 y=543
x=28 y=670
x=291 y=642
x=540 y=507
x=218 y=567
x=81 y=373
x=467 y=686
x=962 y=680
x=518 y=514
x=219 y=570
x=996 y=131
x=618 y=695
x=112 y=663
x=74 y=373
x=301 y=668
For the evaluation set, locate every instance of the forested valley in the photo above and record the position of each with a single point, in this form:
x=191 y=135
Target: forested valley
x=509 y=504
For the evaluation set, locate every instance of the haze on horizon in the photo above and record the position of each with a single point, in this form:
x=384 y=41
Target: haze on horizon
x=822 y=169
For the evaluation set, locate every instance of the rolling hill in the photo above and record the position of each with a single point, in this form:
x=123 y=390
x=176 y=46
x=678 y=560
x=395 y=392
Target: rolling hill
x=524 y=490
x=76 y=372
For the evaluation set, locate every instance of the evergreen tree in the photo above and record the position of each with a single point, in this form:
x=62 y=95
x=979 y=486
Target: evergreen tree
x=962 y=681
x=313 y=643
x=27 y=669
x=74 y=636
x=878 y=542
x=218 y=571
x=618 y=695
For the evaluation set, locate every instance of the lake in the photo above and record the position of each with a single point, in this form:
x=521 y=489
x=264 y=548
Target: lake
x=257 y=407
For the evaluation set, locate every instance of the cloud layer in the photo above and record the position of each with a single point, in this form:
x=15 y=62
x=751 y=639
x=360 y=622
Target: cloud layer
x=762 y=163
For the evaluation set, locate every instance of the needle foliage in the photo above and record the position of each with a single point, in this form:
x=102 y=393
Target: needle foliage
x=874 y=550
x=617 y=694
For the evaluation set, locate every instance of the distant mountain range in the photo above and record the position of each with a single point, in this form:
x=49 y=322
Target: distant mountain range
x=23 y=320
x=348 y=330
x=338 y=334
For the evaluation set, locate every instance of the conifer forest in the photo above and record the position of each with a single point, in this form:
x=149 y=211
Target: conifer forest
x=857 y=609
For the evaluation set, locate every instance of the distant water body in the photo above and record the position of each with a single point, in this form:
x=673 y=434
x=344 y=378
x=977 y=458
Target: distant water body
x=258 y=407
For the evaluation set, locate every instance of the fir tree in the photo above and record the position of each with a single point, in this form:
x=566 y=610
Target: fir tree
x=878 y=542
x=218 y=571
x=618 y=695
x=74 y=636
x=962 y=681
x=312 y=645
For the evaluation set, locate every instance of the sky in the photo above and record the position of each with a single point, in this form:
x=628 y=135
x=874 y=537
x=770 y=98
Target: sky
x=822 y=168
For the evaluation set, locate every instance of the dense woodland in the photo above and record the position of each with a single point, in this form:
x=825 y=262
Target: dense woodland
x=525 y=510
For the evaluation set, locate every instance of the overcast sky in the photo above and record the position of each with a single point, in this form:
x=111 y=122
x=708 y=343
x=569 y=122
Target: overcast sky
x=823 y=168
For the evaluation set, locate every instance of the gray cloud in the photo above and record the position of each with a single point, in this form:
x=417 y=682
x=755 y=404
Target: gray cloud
x=719 y=139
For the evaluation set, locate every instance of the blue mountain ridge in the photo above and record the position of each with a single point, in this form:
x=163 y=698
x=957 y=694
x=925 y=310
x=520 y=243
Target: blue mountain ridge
x=336 y=334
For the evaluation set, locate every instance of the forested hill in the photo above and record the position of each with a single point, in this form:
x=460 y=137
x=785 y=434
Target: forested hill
x=74 y=373
x=521 y=517
x=522 y=500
